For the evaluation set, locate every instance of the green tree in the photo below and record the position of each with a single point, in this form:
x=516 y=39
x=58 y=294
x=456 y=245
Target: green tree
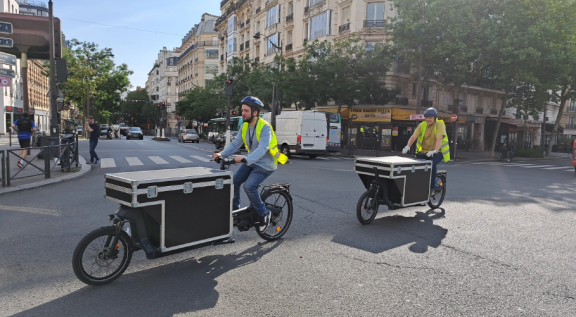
x=89 y=64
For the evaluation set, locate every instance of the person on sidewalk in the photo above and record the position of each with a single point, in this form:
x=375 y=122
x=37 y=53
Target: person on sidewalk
x=24 y=127
x=94 y=130
x=432 y=143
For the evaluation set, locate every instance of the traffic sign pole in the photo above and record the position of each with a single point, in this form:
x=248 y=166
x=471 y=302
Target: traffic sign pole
x=25 y=96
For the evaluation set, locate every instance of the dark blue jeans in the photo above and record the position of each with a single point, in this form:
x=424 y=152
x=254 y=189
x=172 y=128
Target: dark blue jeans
x=437 y=158
x=93 y=155
x=251 y=177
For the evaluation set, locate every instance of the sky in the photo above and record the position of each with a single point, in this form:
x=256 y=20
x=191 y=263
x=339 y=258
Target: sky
x=159 y=23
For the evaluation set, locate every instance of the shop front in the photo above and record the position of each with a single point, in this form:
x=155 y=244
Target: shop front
x=370 y=128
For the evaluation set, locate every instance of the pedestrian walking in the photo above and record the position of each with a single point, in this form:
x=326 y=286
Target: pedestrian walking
x=94 y=130
x=24 y=126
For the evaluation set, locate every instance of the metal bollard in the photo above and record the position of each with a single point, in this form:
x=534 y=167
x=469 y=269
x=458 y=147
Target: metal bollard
x=46 y=161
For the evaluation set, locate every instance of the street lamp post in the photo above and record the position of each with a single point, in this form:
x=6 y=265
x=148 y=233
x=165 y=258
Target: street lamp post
x=275 y=93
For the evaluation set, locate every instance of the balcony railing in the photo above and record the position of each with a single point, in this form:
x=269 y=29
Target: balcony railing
x=33 y=3
x=248 y=22
x=196 y=60
x=242 y=25
x=222 y=57
x=289 y=47
x=374 y=23
x=493 y=111
x=571 y=108
x=242 y=47
x=479 y=110
x=305 y=41
x=570 y=126
x=427 y=103
x=223 y=3
x=257 y=36
x=258 y=10
x=344 y=27
x=290 y=17
x=450 y=108
x=306 y=10
x=464 y=108
x=247 y=45
x=401 y=101
x=257 y=60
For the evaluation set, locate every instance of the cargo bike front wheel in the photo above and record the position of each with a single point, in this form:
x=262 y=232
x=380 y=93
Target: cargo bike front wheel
x=98 y=260
x=367 y=206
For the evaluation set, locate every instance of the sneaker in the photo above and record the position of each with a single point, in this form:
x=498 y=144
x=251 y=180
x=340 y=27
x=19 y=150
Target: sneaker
x=264 y=222
x=90 y=163
x=97 y=161
x=19 y=165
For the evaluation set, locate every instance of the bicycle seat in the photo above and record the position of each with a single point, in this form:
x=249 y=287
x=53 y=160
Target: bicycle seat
x=443 y=172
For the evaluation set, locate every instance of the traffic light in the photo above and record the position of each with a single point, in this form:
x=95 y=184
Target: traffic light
x=163 y=106
x=234 y=112
x=229 y=87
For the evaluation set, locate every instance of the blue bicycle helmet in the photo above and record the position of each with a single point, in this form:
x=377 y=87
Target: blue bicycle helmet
x=430 y=112
x=253 y=102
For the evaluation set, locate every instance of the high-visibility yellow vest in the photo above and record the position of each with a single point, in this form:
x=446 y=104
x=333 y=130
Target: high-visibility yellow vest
x=272 y=147
x=444 y=148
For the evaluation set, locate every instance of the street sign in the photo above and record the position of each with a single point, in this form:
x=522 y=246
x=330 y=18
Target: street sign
x=416 y=117
x=453 y=118
x=6 y=73
x=4 y=42
x=58 y=93
x=7 y=59
x=4 y=82
x=6 y=27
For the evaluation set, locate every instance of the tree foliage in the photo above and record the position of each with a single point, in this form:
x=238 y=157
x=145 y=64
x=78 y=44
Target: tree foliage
x=89 y=64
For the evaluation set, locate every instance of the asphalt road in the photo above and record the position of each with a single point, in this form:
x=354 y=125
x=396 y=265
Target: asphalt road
x=502 y=244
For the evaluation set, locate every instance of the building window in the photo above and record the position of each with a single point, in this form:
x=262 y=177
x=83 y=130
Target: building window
x=257 y=26
x=231 y=45
x=273 y=16
x=320 y=25
x=314 y=2
x=571 y=121
x=169 y=81
x=375 y=11
x=276 y=39
x=572 y=106
x=345 y=15
x=289 y=39
x=290 y=8
x=257 y=50
x=211 y=69
x=231 y=24
x=211 y=54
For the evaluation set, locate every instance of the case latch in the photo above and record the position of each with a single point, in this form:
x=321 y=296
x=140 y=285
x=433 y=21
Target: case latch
x=219 y=183
x=413 y=168
x=152 y=192
x=188 y=187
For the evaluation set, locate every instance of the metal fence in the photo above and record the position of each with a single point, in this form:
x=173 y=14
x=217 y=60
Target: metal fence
x=2 y=168
x=65 y=155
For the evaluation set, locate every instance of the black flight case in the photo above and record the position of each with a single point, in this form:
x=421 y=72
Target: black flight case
x=174 y=210
x=406 y=180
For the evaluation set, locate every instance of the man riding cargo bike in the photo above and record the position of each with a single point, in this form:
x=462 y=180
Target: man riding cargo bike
x=432 y=143
x=260 y=142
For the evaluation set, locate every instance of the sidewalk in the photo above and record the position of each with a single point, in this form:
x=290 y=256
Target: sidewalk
x=33 y=177
x=461 y=156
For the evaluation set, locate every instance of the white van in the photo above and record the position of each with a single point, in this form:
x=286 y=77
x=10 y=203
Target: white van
x=300 y=132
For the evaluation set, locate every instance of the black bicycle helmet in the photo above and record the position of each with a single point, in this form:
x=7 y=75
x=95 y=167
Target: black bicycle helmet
x=253 y=103
x=430 y=112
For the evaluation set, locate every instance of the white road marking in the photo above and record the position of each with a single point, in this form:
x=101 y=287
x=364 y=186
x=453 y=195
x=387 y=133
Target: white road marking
x=536 y=166
x=558 y=168
x=200 y=158
x=158 y=160
x=107 y=163
x=181 y=159
x=134 y=161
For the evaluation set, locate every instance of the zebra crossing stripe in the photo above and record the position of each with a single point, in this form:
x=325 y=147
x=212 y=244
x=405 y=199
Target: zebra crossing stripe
x=200 y=158
x=558 y=168
x=158 y=160
x=134 y=161
x=181 y=159
x=536 y=166
x=107 y=163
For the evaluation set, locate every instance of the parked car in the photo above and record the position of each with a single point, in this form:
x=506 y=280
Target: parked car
x=134 y=133
x=79 y=130
x=188 y=135
x=104 y=129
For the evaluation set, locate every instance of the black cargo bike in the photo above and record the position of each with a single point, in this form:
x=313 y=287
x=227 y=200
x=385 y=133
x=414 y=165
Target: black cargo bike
x=396 y=182
x=164 y=212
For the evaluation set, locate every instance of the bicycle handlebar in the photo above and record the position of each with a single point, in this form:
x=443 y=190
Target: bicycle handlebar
x=227 y=162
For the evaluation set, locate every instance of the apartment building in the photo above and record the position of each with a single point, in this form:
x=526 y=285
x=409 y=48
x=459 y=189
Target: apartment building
x=568 y=121
x=161 y=83
x=198 y=62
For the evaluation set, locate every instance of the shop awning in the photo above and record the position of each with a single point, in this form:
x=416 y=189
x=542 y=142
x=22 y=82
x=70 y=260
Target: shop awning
x=518 y=123
x=403 y=113
x=72 y=122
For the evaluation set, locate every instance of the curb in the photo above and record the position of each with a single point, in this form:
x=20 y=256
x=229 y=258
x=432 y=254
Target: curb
x=84 y=168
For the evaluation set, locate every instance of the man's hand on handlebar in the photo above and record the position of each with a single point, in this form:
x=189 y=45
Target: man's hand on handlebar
x=216 y=156
x=406 y=149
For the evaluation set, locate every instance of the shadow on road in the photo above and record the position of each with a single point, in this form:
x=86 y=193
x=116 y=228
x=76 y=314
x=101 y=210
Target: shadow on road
x=180 y=287
x=391 y=232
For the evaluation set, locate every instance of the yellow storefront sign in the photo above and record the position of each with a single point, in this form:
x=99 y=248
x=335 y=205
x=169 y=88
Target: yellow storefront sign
x=371 y=115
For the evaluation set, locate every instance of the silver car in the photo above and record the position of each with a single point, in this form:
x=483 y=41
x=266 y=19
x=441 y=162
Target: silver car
x=188 y=135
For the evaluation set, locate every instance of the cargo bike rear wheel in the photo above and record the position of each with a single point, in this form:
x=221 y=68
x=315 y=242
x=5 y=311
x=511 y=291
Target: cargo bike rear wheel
x=437 y=198
x=279 y=202
x=94 y=264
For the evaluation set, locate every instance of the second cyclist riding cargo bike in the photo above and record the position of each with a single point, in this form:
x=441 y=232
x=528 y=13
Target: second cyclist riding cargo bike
x=164 y=212
x=396 y=182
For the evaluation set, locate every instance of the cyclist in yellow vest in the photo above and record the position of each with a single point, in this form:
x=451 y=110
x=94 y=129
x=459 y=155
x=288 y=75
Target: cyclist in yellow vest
x=432 y=143
x=263 y=157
